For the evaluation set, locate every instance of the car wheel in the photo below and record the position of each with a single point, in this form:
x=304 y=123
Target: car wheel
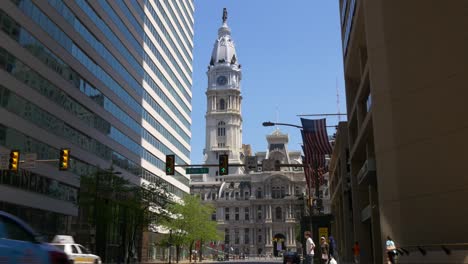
x=96 y=261
x=72 y=261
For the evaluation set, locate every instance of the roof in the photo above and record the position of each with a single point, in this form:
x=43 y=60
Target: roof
x=224 y=51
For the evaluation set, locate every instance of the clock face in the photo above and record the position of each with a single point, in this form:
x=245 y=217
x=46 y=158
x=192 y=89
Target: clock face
x=221 y=80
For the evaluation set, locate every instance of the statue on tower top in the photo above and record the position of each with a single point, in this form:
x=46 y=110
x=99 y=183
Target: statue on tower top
x=224 y=15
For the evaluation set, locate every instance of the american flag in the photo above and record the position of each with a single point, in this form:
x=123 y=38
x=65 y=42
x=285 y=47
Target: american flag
x=315 y=135
x=316 y=146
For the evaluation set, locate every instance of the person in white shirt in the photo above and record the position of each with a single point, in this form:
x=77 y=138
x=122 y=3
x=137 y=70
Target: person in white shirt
x=310 y=246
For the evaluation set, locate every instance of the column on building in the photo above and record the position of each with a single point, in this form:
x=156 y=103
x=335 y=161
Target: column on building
x=267 y=235
x=252 y=231
x=241 y=235
x=293 y=237
x=221 y=213
x=270 y=235
x=214 y=103
x=232 y=237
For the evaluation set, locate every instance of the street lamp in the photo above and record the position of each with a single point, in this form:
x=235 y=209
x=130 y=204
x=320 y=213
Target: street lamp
x=268 y=123
x=170 y=245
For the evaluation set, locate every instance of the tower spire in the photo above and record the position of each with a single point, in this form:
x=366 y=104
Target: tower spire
x=225 y=15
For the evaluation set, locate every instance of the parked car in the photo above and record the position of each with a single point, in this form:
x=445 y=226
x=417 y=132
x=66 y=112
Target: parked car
x=76 y=252
x=291 y=258
x=20 y=244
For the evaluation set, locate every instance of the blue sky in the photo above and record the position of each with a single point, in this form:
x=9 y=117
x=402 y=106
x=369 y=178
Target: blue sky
x=291 y=64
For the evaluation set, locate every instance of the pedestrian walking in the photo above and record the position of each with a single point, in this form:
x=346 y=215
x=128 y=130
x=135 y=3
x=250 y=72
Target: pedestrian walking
x=325 y=250
x=356 y=252
x=310 y=247
x=391 y=250
x=333 y=249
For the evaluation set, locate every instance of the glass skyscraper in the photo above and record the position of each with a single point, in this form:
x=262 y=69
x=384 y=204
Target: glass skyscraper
x=109 y=79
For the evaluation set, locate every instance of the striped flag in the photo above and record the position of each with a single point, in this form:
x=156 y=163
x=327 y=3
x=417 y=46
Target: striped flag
x=315 y=134
x=316 y=146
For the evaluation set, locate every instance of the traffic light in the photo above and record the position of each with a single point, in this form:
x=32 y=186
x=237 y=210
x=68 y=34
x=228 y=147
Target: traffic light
x=64 y=161
x=14 y=160
x=170 y=164
x=223 y=164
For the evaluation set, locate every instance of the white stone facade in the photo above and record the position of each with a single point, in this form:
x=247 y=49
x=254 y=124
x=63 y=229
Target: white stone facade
x=254 y=209
x=223 y=115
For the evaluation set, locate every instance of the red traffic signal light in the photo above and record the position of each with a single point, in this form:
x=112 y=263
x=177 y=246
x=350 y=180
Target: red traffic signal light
x=13 y=163
x=170 y=164
x=223 y=164
x=64 y=160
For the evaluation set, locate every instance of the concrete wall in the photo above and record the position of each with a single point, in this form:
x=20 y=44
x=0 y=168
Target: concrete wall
x=418 y=73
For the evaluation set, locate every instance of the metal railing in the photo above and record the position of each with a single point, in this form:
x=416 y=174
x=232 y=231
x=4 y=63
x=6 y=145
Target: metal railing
x=424 y=248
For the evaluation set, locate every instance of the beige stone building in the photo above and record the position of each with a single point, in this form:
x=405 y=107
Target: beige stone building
x=341 y=196
x=259 y=211
x=405 y=65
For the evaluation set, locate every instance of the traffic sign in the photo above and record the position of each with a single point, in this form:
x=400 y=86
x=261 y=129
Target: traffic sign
x=4 y=161
x=251 y=163
x=196 y=170
x=29 y=161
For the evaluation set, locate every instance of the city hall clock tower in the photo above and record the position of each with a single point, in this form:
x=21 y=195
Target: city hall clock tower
x=223 y=115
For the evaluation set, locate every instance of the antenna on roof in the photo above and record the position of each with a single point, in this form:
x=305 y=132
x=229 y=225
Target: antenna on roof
x=277 y=118
x=337 y=99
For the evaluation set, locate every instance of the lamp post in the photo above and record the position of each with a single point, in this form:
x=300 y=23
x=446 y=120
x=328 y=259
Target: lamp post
x=268 y=123
x=170 y=245
x=316 y=176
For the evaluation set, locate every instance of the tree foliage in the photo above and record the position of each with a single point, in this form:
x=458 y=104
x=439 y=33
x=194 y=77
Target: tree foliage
x=191 y=221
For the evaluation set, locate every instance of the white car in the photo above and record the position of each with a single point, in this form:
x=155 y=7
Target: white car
x=20 y=244
x=76 y=252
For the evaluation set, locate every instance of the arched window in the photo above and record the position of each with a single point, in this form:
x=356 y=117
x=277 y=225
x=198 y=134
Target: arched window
x=221 y=129
x=278 y=213
x=222 y=104
x=283 y=191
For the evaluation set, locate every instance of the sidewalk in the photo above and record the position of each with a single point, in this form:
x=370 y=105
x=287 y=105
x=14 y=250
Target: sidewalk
x=263 y=259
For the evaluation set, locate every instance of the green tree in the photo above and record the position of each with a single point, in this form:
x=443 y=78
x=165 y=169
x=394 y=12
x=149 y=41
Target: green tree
x=119 y=211
x=191 y=222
